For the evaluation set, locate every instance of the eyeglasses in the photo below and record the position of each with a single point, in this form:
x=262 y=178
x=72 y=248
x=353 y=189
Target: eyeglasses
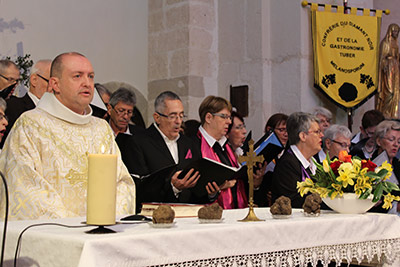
x=392 y=139
x=325 y=120
x=369 y=134
x=173 y=116
x=2 y=116
x=239 y=127
x=43 y=77
x=317 y=132
x=122 y=112
x=343 y=145
x=281 y=130
x=222 y=115
x=12 y=80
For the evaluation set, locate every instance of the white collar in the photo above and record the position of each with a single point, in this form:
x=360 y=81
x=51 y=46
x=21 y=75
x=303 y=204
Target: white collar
x=211 y=140
x=356 y=138
x=51 y=105
x=303 y=160
x=166 y=139
x=34 y=98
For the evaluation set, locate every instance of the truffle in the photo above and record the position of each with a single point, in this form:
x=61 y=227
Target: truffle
x=312 y=204
x=163 y=214
x=211 y=212
x=282 y=206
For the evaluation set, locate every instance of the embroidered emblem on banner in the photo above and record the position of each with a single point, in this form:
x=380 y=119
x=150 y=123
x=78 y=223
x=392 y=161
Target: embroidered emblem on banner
x=346 y=48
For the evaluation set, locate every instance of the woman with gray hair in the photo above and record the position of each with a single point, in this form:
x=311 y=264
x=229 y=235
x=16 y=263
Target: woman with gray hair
x=387 y=139
x=3 y=117
x=324 y=116
x=296 y=165
x=336 y=138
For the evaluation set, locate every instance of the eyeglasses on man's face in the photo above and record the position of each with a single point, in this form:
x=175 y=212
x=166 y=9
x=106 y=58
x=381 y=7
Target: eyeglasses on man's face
x=342 y=144
x=173 y=116
x=40 y=76
x=222 y=115
x=10 y=79
x=122 y=112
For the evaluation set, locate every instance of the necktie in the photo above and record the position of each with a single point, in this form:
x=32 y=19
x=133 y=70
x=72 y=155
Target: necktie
x=222 y=155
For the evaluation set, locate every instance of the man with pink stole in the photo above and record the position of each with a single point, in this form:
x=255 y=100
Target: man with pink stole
x=215 y=116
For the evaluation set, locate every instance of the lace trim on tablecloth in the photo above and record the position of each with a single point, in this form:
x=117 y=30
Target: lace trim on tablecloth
x=386 y=251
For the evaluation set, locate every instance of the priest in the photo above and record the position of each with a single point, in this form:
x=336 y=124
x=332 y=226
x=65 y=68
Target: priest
x=45 y=156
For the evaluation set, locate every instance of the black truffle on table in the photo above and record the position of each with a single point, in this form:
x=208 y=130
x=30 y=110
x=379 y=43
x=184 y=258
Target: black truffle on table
x=312 y=204
x=282 y=206
x=163 y=214
x=211 y=212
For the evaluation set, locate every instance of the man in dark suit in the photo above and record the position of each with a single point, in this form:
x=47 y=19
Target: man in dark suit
x=295 y=165
x=120 y=111
x=161 y=146
x=38 y=83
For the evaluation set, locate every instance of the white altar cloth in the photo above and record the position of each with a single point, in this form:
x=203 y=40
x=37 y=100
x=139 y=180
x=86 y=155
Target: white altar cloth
x=273 y=242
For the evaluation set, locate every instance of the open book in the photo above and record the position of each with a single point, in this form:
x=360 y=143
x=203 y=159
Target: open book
x=269 y=146
x=211 y=171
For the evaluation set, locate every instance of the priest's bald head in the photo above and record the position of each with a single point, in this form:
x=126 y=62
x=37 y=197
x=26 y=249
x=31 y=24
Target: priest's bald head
x=72 y=81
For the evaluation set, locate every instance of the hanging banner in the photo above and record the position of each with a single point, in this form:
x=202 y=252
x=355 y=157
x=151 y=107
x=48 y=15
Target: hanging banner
x=346 y=48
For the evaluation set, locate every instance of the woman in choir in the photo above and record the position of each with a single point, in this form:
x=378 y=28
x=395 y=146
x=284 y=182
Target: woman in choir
x=215 y=116
x=387 y=139
x=277 y=124
x=236 y=136
x=236 y=133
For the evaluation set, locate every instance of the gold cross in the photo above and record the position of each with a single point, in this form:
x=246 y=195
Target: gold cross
x=251 y=160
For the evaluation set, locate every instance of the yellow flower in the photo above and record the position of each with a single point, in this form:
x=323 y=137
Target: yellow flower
x=387 y=166
x=326 y=166
x=346 y=174
x=305 y=187
x=338 y=190
x=356 y=164
x=363 y=183
x=388 y=201
x=322 y=191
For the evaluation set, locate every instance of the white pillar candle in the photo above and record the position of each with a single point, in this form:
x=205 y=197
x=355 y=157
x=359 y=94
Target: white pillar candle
x=101 y=189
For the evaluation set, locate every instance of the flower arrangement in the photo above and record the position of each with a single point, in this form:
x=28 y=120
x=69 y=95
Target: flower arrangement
x=351 y=174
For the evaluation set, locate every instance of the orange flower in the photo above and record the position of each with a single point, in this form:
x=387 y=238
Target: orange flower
x=344 y=157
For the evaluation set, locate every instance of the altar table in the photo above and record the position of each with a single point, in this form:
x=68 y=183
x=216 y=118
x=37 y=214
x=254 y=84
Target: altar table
x=273 y=242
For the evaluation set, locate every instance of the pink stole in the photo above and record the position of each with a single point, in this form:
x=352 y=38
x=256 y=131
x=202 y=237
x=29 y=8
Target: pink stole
x=225 y=199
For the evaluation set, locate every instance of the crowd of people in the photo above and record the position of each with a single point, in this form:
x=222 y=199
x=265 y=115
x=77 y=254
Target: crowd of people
x=47 y=134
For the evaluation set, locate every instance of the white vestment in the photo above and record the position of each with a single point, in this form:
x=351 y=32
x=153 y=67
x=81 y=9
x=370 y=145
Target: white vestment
x=45 y=162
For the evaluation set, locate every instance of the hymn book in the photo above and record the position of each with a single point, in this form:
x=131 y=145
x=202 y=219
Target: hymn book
x=269 y=146
x=211 y=171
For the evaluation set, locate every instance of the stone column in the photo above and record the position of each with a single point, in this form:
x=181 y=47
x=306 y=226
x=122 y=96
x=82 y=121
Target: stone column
x=182 y=51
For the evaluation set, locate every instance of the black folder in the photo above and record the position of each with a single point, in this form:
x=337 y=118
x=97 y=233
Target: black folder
x=211 y=171
x=269 y=146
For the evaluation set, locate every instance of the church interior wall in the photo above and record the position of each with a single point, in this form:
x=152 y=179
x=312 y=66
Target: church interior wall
x=113 y=35
x=203 y=46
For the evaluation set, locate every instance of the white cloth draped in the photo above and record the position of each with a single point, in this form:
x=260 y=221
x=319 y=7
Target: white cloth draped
x=273 y=242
